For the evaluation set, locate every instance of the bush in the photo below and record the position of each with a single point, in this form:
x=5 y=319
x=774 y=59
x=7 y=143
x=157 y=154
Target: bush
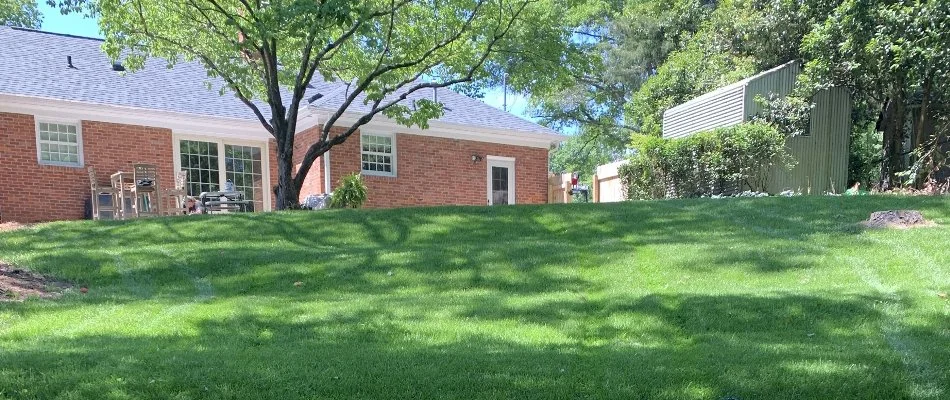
x=351 y=193
x=726 y=160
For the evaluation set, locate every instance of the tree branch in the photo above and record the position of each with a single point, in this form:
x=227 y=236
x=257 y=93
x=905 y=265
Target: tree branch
x=324 y=144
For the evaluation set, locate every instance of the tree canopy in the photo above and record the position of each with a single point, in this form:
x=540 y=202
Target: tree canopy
x=268 y=52
x=649 y=56
x=20 y=13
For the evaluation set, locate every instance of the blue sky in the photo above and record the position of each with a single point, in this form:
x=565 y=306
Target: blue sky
x=75 y=24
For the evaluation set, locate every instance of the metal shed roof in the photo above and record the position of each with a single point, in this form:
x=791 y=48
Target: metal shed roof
x=726 y=106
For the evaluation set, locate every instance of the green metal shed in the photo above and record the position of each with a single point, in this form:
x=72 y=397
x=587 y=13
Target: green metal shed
x=821 y=156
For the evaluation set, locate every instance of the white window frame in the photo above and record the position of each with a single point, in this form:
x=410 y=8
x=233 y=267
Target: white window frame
x=79 y=151
x=222 y=172
x=392 y=138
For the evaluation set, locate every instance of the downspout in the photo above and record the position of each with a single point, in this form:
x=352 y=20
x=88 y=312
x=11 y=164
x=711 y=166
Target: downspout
x=327 y=189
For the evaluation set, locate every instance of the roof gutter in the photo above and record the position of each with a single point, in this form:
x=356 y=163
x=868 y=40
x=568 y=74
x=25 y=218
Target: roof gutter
x=455 y=131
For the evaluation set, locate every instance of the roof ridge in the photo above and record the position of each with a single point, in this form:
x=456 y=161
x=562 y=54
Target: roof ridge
x=17 y=28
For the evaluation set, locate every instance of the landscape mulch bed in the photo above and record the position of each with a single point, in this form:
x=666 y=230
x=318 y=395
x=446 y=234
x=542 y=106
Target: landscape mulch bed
x=17 y=284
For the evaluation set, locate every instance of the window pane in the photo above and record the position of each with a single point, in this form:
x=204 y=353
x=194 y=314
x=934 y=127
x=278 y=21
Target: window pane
x=59 y=143
x=202 y=167
x=376 y=153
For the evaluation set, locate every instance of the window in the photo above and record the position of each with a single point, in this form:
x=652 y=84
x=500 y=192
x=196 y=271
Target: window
x=209 y=164
x=59 y=144
x=200 y=160
x=377 y=154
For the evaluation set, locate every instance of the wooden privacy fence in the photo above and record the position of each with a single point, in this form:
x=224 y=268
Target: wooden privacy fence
x=605 y=188
x=559 y=188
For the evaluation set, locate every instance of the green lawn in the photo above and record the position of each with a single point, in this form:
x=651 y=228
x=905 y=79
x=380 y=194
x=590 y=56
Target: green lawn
x=779 y=298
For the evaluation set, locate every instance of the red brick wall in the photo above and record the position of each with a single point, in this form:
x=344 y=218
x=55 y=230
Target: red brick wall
x=436 y=171
x=272 y=162
x=313 y=184
x=30 y=192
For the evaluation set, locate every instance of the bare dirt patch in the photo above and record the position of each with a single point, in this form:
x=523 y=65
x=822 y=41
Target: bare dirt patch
x=12 y=226
x=17 y=284
x=897 y=219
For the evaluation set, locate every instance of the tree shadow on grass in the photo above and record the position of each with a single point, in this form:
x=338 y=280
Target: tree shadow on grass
x=518 y=250
x=658 y=347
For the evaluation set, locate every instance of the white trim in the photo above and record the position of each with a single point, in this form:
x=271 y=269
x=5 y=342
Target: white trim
x=327 y=185
x=251 y=129
x=37 y=120
x=455 y=131
x=392 y=156
x=506 y=162
x=177 y=137
x=206 y=125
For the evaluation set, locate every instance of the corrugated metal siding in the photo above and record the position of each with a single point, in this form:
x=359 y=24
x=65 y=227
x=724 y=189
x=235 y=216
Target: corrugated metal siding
x=821 y=158
x=778 y=81
x=712 y=110
x=729 y=105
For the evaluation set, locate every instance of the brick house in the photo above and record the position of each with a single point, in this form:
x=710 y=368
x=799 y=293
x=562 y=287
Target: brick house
x=65 y=107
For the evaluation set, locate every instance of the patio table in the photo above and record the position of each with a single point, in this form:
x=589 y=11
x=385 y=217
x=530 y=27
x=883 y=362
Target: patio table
x=229 y=201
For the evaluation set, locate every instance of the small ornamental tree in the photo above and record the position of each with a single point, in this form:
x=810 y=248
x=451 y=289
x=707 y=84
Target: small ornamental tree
x=267 y=52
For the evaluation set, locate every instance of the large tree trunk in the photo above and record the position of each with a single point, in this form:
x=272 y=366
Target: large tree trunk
x=893 y=127
x=287 y=192
x=922 y=135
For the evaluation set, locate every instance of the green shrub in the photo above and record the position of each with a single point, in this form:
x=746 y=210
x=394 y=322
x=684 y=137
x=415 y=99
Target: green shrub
x=724 y=160
x=351 y=193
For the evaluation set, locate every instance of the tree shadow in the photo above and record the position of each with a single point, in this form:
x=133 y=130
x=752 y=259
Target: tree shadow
x=672 y=347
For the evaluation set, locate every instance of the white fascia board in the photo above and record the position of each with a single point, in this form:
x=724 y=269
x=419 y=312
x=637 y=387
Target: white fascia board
x=177 y=122
x=455 y=131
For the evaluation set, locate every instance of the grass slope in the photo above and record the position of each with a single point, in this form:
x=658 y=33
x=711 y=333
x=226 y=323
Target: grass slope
x=780 y=298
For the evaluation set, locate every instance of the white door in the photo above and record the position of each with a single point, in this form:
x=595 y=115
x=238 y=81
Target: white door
x=501 y=180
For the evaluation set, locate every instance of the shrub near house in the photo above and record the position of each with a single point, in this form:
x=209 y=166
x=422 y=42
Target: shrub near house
x=724 y=160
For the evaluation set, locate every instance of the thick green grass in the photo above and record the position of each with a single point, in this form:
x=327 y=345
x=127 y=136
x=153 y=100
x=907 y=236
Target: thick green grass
x=780 y=298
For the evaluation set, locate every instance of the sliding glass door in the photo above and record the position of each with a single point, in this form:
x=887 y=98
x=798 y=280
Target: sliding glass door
x=210 y=164
x=242 y=166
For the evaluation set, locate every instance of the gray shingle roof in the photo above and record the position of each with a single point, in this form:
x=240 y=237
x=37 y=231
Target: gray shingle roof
x=33 y=63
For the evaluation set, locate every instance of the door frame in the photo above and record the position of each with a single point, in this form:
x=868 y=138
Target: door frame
x=265 y=158
x=499 y=161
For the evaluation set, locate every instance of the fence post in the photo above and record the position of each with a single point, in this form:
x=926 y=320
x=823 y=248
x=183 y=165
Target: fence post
x=595 y=187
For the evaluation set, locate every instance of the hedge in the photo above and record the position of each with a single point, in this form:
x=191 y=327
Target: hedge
x=722 y=161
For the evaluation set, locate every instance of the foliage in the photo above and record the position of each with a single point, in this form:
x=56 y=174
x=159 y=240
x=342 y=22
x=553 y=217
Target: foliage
x=738 y=39
x=895 y=56
x=776 y=298
x=649 y=56
x=20 y=13
x=709 y=163
x=582 y=154
x=790 y=114
x=864 y=156
x=268 y=53
x=351 y=193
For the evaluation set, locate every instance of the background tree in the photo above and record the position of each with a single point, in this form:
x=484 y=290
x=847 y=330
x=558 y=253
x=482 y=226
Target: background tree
x=21 y=13
x=619 y=46
x=895 y=57
x=268 y=52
